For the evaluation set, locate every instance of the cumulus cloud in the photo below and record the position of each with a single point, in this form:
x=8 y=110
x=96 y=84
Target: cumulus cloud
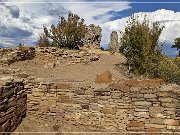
x=168 y=18
x=24 y=20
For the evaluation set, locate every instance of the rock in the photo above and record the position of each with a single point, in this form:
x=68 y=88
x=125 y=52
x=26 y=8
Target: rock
x=171 y=122
x=22 y=75
x=114 y=45
x=156 y=121
x=50 y=65
x=105 y=77
x=85 y=107
x=93 y=36
x=135 y=124
x=62 y=85
x=142 y=103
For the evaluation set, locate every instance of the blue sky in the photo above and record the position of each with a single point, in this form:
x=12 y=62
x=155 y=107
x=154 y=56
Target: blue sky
x=22 y=21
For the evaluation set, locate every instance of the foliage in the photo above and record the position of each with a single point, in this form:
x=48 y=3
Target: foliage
x=43 y=40
x=68 y=33
x=139 y=43
x=177 y=44
x=168 y=70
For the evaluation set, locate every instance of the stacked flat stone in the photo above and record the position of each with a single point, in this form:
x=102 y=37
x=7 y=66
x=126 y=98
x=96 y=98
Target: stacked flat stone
x=12 y=103
x=147 y=106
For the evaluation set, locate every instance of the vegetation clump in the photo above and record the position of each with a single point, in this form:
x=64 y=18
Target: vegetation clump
x=43 y=40
x=177 y=44
x=68 y=33
x=140 y=44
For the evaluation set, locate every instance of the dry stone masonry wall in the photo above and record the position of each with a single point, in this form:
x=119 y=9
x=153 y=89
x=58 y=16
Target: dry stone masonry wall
x=12 y=103
x=147 y=106
x=11 y=55
x=62 y=56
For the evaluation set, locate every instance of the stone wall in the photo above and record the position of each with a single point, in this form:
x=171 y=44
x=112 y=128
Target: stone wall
x=11 y=55
x=131 y=105
x=12 y=103
x=63 y=56
x=93 y=36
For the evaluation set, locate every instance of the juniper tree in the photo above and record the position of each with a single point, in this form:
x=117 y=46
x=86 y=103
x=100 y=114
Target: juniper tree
x=139 y=43
x=68 y=33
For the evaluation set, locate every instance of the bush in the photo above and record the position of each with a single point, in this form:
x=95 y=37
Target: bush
x=139 y=43
x=177 y=45
x=43 y=40
x=69 y=33
x=168 y=70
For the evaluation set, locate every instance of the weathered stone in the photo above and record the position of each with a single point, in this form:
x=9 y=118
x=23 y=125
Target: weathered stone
x=156 y=121
x=108 y=111
x=85 y=107
x=6 y=125
x=135 y=124
x=169 y=100
x=62 y=85
x=105 y=77
x=6 y=117
x=93 y=36
x=23 y=75
x=156 y=109
x=149 y=95
x=50 y=65
x=142 y=103
x=153 y=130
x=155 y=126
x=171 y=122
x=114 y=45
x=142 y=114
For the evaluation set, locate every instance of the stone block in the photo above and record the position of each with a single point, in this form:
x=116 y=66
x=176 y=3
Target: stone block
x=108 y=111
x=142 y=103
x=105 y=77
x=62 y=86
x=141 y=114
x=150 y=95
x=156 y=121
x=85 y=106
x=171 y=122
x=155 y=126
x=6 y=125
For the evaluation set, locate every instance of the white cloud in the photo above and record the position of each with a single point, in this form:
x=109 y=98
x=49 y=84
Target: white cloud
x=30 y=17
x=169 y=18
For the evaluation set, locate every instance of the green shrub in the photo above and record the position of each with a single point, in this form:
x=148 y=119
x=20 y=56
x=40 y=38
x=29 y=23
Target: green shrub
x=177 y=45
x=168 y=70
x=139 y=43
x=68 y=33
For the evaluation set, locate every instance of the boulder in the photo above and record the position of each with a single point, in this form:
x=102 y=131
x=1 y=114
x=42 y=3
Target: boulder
x=105 y=77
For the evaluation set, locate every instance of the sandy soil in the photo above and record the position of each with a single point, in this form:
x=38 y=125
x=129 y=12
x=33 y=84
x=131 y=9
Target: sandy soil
x=77 y=72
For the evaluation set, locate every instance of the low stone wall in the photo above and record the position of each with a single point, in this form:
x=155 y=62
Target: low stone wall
x=60 y=55
x=12 y=103
x=11 y=55
x=147 y=106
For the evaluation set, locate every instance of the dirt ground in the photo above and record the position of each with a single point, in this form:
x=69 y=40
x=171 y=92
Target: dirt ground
x=77 y=72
